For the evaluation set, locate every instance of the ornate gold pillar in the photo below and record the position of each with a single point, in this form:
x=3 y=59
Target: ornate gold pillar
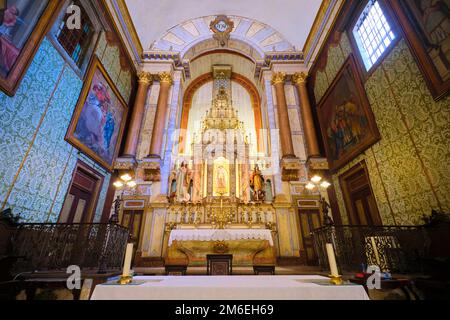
x=308 y=122
x=145 y=81
x=166 y=82
x=287 y=147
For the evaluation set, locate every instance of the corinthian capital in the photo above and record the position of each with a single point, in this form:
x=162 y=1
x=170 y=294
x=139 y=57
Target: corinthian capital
x=145 y=78
x=165 y=77
x=279 y=77
x=300 y=78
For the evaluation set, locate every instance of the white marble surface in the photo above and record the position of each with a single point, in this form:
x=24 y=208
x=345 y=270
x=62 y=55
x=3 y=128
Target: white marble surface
x=230 y=288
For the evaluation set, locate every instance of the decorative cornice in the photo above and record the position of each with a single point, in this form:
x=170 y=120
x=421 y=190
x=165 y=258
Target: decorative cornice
x=145 y=78
x=165 y=77
x=162 y=56
x=279 y=77
x=300 y=78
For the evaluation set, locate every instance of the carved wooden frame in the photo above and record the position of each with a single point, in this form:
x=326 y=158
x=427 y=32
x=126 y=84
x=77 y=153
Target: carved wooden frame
x=438 y=87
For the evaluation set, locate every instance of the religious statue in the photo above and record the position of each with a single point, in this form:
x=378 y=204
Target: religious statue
x=327 y=220
x=183 y=181
x=117 y=204
x=221 y=179
x=268 y=191
x=257 y=184
x=173 y=186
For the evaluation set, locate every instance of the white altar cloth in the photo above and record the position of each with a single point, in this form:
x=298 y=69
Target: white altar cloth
x=220 y=235
x=230 y=288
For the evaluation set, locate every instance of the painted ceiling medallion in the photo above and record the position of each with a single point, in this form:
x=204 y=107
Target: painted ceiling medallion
x=222 y=26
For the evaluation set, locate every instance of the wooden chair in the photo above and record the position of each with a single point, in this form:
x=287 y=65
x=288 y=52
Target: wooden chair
x=219 y=264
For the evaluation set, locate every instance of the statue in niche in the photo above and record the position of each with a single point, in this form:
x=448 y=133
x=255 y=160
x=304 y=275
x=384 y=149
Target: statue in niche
x=182 y=184
x=257 y=184
x=222 y=179
x=173 y=186
x=268 y=191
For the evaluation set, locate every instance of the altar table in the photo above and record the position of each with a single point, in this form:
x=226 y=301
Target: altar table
x=230 y=288
x=248 y=246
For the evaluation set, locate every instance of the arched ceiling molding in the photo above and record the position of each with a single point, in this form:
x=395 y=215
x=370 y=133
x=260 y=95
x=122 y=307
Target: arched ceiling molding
x=240 y=65
x=234 y=45
x=208 y=77
x=188 y=34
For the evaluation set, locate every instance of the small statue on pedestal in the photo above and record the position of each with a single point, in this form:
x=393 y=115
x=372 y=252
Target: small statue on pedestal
x=257 y=185
x=115 y=217
x=327 y=220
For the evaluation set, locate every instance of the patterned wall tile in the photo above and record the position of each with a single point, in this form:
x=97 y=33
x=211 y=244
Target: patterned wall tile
x=42 y=183
x=409 y=167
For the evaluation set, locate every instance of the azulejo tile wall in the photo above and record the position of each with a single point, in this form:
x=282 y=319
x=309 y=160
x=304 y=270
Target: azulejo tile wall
x=36 y=164
x=409 y=168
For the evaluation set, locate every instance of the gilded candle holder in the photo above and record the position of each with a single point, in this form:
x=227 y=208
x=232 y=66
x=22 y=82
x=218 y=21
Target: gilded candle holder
x=336 y=280
x=124 y=280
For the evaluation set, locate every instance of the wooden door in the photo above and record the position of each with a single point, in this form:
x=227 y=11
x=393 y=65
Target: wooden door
x=82 y=196
x=309 y=220
x=132 y=219
x=359 y=198
x=76 y=206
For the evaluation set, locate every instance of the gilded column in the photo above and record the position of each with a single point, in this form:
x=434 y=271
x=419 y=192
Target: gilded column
x=287 y=147
x=166 y=82
x=308 y=122
x=145 y=81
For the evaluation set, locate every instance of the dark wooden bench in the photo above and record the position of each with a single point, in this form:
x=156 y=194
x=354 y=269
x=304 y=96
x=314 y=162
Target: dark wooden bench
x=176 y=270
x=264 y=270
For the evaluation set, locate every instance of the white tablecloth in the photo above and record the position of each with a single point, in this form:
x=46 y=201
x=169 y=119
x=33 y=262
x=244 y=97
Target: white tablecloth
x=220 y=235
x=230 y=288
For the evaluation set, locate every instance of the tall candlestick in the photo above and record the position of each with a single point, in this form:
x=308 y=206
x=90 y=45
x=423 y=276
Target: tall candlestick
x=332 y=260
x=127 y=262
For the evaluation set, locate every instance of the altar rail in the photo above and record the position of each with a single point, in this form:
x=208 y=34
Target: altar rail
x=398 y=249
x=44 y=247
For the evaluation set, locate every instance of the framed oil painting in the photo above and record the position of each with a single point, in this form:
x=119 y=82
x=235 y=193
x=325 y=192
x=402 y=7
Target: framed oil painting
x=23 y=24
x=348 y=125
x=99 y=118
x=426 y=25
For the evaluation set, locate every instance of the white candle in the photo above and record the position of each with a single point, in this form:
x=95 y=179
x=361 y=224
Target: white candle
x=127 y=262
x=332 y=260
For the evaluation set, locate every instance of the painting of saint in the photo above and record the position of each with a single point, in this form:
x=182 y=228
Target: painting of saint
x=345 y=129
x=99 y=118
x=17 y=23
x=349 y=126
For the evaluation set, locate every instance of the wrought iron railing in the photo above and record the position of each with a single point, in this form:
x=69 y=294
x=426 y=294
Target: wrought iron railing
x=44 y=247
x=397 y=249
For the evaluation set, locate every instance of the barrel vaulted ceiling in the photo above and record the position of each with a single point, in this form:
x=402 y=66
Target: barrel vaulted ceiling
x=291 y=18
x=265 y=30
